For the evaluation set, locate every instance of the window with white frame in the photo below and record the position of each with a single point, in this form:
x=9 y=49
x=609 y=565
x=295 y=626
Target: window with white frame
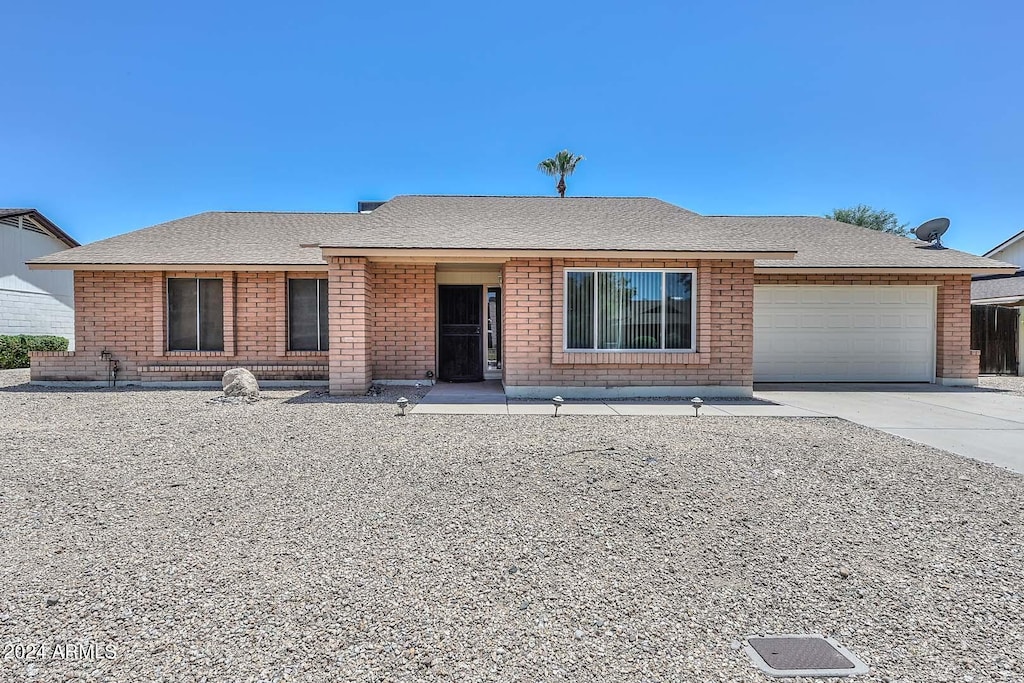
x=307 y=314
x=195 y=314
x=629 y=310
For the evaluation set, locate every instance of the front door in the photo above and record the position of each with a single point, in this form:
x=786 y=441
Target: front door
x=460 y=322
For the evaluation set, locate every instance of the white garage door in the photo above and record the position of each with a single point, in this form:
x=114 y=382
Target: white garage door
x=844 y=334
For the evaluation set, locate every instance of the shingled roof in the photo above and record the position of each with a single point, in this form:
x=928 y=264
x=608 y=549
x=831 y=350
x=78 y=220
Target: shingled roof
x=824 y=243
x=217 y=238
x=626 y=224
x=549 y=223
x=1001 y=288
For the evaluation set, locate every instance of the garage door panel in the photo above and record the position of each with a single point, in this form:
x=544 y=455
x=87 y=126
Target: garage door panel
x=844 y=333
x=892 y=296
x=863 y=345
x=812 y=320
x=892 y=320
x=918 y=295
x=867 y=320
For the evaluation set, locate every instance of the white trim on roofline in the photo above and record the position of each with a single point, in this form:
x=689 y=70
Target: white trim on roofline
x=999 y=300
x=500 y=254
x=922 y=270
x=183 y=267
x=1013 y=240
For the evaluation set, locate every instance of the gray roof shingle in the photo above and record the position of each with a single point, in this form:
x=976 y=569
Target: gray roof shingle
x=218 y=238
x=824 y=243
x=534 y=223
x=592 y=223
x=998 y=287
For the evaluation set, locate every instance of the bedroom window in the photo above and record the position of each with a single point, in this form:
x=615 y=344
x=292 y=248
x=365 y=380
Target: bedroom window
x=307 y=315
x=629 y=310
x=195 y=314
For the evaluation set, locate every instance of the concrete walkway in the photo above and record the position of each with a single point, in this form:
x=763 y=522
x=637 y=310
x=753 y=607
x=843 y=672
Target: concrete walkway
x=488 y=398
x=978 y=423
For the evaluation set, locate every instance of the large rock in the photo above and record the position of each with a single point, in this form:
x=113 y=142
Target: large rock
x=240 y=382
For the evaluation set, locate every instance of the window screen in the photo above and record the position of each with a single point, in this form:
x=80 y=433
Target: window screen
x=628 y=310
x=307 y=315
x=195 y=314
x=211 y=315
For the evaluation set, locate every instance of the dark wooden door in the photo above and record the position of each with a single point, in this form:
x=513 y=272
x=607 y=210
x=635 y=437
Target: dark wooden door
x=460 y=319
x=994 y=331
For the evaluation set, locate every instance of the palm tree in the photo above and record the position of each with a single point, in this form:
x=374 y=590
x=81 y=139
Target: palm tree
x=562 y=164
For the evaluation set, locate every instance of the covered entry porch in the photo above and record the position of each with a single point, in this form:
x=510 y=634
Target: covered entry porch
x=412 y=321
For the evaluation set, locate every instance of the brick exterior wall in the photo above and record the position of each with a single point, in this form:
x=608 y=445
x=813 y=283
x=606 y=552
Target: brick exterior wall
x=124 y=312
x=954 y=359
x=404 y=313
x=532 y=290
x=382 y=325
x=350 y=297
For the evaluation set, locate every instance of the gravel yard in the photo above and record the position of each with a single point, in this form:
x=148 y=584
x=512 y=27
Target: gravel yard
x=307 y=538
x=1014 y=385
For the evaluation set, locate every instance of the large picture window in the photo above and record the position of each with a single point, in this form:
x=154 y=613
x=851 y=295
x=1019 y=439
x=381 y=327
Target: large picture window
x=307 y=315
x=629 y=310
x=195 y=314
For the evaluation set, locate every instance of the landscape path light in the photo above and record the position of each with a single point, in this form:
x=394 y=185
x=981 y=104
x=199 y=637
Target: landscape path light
x=557 y=402
x=696 y=402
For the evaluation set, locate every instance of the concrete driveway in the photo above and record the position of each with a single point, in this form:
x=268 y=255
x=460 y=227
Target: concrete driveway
x=978 y=423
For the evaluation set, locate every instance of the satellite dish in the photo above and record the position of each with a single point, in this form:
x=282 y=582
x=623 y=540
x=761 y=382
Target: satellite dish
x=932 y=231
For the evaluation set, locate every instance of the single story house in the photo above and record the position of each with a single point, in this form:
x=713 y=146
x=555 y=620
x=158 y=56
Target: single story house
x=997 y=328
x=34 y=301
x=582 y=296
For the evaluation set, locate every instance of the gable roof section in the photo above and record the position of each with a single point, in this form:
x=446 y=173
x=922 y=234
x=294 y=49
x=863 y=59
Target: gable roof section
x=509 y=224
x=1013 y=240
x=43 y=222
x=548 y=224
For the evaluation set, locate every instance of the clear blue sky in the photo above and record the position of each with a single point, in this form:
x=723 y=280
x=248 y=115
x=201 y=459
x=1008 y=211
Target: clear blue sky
x=121 y=115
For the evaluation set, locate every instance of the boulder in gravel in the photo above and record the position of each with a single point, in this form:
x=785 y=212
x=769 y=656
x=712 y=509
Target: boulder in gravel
x=240 y=382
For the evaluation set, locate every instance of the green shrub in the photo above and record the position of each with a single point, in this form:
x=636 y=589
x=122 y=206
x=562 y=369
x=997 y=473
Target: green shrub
x=645 y=343
x=14 y=348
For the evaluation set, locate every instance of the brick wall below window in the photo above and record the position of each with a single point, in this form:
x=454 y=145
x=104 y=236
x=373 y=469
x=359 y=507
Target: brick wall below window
x=532 y=290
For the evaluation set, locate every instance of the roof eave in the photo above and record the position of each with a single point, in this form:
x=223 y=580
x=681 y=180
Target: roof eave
x=50 y=226
x=1010 y=301
x=1013 y=240
x=205 y=266
x=936 y=270
x=435 y=254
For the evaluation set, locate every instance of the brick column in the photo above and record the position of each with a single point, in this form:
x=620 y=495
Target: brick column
x=349 y=295
x=955 y=362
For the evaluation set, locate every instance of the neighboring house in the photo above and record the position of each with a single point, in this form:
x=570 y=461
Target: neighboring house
x=998 y=326
x=34 y=301
x=596 y=296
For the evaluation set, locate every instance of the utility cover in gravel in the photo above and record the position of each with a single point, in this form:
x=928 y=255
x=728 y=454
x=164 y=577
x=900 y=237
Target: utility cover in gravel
x=154 y=536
